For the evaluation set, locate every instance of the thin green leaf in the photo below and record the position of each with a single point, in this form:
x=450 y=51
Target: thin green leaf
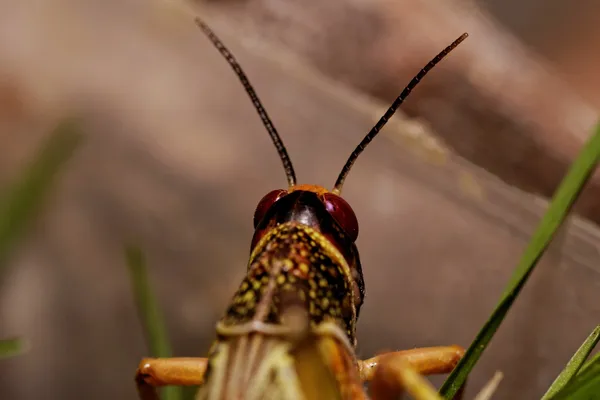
x=564 y=197
x=154 y=327
x=585 y=385
x=21 y=202
x=574 y=364
x=12 y=347
x=588 y=364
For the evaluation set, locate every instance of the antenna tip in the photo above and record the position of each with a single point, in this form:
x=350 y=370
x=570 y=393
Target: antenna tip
x=461 y=38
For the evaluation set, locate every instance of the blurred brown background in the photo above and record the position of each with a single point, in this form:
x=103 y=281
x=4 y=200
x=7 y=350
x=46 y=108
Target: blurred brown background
x=175 y=160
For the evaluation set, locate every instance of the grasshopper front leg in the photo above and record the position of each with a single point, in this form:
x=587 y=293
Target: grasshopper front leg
x=385 y=375
x=426 y=360
x=156 y=372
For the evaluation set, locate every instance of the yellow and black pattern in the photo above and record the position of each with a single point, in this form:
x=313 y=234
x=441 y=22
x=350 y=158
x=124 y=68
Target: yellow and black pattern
x=295 y=263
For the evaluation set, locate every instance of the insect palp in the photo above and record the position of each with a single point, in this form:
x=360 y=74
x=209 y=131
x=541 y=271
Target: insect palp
x=337 y=189
x=283 y=154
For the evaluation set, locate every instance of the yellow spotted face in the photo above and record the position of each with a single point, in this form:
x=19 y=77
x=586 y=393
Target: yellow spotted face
x=294 y=263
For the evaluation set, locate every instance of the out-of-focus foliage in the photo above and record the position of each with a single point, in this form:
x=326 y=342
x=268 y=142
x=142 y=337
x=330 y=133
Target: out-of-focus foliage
x=11 y=347
x=22 y=201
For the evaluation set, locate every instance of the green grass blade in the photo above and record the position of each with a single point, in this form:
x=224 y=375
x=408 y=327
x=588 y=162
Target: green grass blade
x=585 y=385
x=574 y=364
x=563 y=199
x=12 y=347
x=586 y=370
x=595 y=358
x=20 y=203
x=154 y=327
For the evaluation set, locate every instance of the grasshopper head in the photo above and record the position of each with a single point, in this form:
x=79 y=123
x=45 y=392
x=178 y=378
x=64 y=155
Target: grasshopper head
x=327 y=213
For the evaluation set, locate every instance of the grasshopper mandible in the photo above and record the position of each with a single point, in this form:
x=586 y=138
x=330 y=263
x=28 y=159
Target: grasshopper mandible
x=289 y=332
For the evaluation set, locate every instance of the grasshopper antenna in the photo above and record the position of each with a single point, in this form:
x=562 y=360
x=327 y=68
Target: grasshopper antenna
x=337 y=189
x=283 y=155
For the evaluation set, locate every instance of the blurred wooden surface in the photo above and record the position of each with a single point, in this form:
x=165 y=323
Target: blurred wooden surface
x=565 y=35
x=495 y=102
x=176 y=160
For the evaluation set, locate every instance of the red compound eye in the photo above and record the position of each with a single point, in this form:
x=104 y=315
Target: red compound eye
x=265 y=203
x=341 y=211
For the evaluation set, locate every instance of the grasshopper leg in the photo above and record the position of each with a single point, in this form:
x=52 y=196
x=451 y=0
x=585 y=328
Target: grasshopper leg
x=154 y=372
x=385 y=371
x=426 y=360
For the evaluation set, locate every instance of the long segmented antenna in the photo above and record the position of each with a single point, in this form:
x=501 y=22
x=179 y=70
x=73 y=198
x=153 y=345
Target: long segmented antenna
x=337 y=189
x=283 y=155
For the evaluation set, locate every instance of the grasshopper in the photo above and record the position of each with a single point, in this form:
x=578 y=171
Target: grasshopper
x=289 y=332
